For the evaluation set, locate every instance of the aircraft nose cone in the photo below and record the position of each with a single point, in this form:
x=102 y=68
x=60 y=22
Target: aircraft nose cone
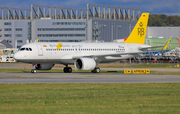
x=16 y=56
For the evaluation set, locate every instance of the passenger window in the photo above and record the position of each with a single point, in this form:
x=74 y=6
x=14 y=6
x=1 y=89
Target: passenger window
x=27 y=49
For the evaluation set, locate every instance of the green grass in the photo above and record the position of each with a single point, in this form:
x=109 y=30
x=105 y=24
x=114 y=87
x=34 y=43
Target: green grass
x=90 y=98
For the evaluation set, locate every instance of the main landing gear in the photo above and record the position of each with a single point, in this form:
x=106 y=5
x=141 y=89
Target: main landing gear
x=67 y=69
x=96 y=70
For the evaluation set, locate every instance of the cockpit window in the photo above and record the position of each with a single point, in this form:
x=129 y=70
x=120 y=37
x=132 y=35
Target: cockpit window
x=26 y=49
x=22 y=49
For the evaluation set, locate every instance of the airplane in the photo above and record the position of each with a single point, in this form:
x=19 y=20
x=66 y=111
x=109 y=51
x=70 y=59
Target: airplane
x=84 y=55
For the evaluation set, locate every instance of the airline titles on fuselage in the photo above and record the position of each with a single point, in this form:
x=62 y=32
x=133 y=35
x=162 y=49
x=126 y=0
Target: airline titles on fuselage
x=66 y=47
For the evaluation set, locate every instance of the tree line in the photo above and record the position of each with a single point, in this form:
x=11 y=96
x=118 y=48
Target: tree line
x=163 y=20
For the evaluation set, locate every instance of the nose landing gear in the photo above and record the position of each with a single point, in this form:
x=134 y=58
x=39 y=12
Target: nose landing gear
x=96 y=70
x=33 y=71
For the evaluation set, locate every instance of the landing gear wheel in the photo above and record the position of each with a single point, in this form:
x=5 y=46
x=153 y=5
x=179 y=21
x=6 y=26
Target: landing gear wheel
x=96 y=70
x=92 y=71
x=33 y=71
x=67 y=70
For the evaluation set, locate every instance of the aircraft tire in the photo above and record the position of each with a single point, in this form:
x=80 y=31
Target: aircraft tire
x=69 y=69
x=33 y=71
x=97 y=70
x=92 y=71
x=65 y=69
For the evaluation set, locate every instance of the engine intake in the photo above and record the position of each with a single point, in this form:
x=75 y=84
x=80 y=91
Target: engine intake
x=85 y=64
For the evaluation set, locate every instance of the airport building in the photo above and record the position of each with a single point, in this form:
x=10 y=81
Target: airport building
x=19 y=26
x=163 y=32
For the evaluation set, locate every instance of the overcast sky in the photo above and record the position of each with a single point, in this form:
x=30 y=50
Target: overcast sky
x=169 y=7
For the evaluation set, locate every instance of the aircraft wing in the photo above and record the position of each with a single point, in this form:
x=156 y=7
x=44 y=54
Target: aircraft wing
x=105 y=55
x=164 y=47
x=146 y=48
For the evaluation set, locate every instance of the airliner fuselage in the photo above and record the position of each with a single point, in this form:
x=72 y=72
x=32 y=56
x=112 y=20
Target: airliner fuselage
x=48 y=52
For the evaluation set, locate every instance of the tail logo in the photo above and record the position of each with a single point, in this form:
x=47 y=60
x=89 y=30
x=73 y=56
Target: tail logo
x=141 y=29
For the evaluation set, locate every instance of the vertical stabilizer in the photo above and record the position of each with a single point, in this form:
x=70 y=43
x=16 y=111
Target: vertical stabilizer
x=139 y=32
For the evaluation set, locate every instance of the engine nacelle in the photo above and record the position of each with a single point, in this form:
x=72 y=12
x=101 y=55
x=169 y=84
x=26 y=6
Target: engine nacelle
x=43 y=66
x=85 y=64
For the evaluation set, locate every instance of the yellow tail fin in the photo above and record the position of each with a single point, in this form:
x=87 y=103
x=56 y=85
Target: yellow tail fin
x=139 y=32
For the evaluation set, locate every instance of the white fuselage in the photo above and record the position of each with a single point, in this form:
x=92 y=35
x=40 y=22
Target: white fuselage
x=68 y=52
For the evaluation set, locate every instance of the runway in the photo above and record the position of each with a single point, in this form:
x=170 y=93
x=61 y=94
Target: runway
x=85 y=78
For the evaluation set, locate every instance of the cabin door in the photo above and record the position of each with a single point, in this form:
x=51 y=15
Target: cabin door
x=130 y=48
x=40 y=51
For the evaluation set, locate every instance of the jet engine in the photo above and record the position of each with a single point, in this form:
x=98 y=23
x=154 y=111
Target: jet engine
x=85 y=64
x=43 y=66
